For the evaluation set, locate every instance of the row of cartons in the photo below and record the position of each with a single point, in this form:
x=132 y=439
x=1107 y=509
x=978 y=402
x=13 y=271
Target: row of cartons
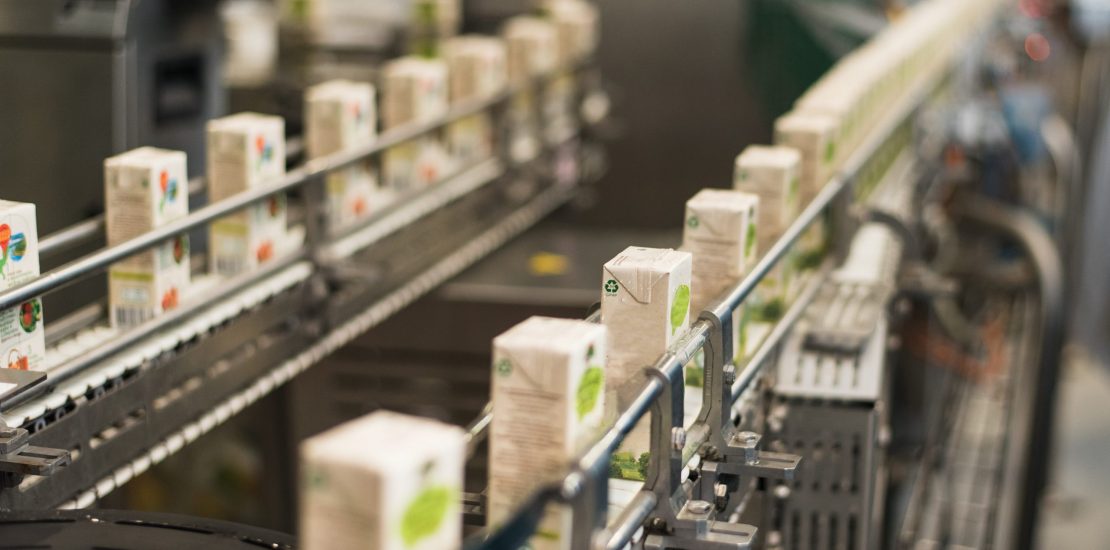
x=393 y=482
x=147 y=188
x=835 y=114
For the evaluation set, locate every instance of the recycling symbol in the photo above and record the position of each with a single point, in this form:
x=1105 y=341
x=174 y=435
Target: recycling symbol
x=504 y=367
x=611 y=287
x=692 y=222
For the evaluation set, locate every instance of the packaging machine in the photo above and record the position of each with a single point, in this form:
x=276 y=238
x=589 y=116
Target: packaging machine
x=900 y=400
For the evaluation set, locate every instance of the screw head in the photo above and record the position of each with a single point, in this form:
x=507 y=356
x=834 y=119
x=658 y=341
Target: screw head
x=699 y=507
x=678 y=438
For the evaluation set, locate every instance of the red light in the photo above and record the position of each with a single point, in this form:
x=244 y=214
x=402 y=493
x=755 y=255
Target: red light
x=1037 y=47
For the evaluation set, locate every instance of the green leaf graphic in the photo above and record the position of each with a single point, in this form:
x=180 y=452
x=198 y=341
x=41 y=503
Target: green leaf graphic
x=425 y=514
x=749 y=240
x=679 y=306
x=588 y=390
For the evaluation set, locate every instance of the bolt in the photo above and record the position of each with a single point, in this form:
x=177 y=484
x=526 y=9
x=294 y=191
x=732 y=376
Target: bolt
x=678 y=438
x=658 y=524
x=729 y=375
x=699 y=507
x=749 y=442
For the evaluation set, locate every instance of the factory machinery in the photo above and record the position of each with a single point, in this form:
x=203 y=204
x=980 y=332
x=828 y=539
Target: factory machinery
x=902 y=399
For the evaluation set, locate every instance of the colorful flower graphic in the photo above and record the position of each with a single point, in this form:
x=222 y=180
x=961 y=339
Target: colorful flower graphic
x=30 y=313
x=169 y=189
x=169 y=299
x=265 y=150
x=5 y=238
x=18 y=246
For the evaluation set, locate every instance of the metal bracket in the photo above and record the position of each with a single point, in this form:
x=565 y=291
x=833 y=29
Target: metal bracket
x=700 y=531
x=18 y=459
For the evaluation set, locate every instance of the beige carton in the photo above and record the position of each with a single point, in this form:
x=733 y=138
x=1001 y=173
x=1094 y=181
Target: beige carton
x=645 y=303
x=532 y=51
x=22 y=339
x=548 y=402
x=532 y=47
x=414 y=90
x=813 y=136
x=341 y=115
x=144 y=189
x=245 y=151
x=386 y=481
x=721 y=233
x=476 y=68
x=772 y=174
x=576 y=29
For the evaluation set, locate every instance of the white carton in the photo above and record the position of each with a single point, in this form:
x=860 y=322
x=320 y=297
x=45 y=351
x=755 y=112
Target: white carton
x=414 y=90
x=773 y=174
x=476 y=65
x=386 y=481
x=340 y=115
x=532 y=51
x=813 y=136
x=645 y=303
x=532 y=47
x=144 y=189
x=22 y=339
x=245 y=150
x=548 y=402
x=576 y=29
x=721 y=233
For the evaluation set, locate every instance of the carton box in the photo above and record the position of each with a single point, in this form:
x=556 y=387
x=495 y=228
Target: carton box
x=548 y=401
x=385 y=481
x=532 y=50
x=532 y=47
x=772 y=174
x=245 y=151
x=340 y=115
x=721 y=233
x=645 y=304
x=476 y=68
x=813 y=136
x=414 y=90
x=22 y=336
x=144 y=189
x=576 y=29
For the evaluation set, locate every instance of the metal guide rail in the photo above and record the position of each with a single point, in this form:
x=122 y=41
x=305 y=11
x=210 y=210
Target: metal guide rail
x=663 y=510
x=116 y=402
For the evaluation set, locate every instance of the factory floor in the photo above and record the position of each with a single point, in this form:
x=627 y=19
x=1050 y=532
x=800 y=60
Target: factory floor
x=1076 y=512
